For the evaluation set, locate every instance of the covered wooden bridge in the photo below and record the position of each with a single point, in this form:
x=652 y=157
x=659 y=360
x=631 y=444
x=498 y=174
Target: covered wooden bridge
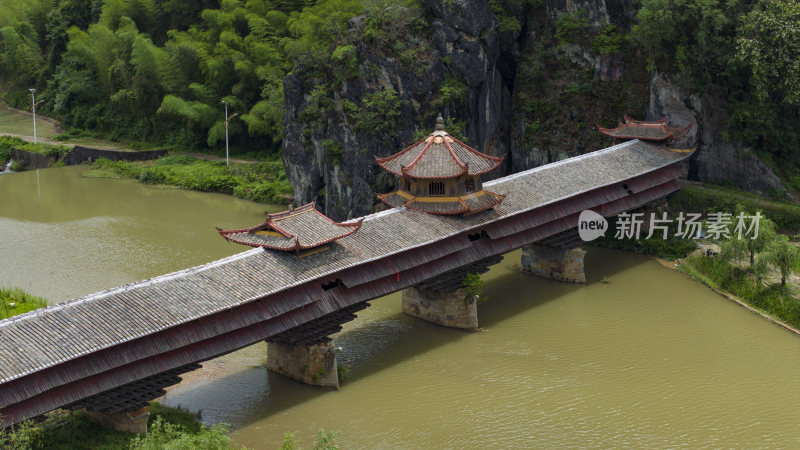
x=113 y=351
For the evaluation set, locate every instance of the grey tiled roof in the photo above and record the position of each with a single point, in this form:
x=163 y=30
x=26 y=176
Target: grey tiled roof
x=47 y=337
x=300 y=228
x=439 y=156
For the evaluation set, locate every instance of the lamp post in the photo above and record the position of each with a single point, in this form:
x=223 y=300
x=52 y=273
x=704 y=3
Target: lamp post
x=227 y=126
x=33 y=109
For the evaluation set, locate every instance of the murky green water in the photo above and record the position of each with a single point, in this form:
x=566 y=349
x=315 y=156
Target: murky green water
x=63 y=236
x=650 y=359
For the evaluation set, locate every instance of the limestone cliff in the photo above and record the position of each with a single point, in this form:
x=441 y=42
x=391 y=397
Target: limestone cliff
x=530 y=84
x=329 y=153
x=717 y=160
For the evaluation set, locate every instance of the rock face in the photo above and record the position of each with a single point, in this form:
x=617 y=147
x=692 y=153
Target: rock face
x=525 y=93
x=716 y=160
x=330 y=155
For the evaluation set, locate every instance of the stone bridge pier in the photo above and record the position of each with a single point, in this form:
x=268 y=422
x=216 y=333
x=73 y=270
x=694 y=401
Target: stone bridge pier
x=442 y=300
x=306 y=353
x=565 y=264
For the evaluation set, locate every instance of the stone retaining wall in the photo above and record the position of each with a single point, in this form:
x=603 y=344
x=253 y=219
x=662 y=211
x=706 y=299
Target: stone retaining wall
x=32 y=160
x=80 y=154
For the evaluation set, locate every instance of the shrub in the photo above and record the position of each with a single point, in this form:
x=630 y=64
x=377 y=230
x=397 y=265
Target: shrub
x=379 y=112
x=18 y=166
x=151 y=176
x=164 y=435
x=571 y=27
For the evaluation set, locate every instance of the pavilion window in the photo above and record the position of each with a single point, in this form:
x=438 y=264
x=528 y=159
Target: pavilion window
x=469 y=184
x=436 y=188
x=407 y=184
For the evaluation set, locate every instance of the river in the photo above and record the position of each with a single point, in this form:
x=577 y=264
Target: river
x=648 y=359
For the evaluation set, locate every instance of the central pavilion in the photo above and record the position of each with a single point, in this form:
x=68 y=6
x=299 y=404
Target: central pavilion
x=440 y=175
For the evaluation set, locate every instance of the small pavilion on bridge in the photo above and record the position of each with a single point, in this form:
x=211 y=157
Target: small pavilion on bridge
x=654 y=131
x=297 y=229
x=440 y=175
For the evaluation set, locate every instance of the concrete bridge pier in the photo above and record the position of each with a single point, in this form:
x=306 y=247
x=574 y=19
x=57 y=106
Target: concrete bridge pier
x=565 y=264
x=313 y=364
x=125 y=421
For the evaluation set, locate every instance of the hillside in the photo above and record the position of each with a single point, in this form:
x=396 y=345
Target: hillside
x=333 y=83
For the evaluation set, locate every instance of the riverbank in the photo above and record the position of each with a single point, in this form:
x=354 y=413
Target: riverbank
x=263 y=182
x=15 y=301
x=772 y=302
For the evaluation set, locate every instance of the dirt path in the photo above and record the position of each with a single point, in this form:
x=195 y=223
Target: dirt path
x=40 y=140
x=55 y=123
x=216 y=158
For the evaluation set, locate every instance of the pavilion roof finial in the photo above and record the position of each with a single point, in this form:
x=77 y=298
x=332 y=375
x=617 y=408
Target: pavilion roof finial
x=439 y=123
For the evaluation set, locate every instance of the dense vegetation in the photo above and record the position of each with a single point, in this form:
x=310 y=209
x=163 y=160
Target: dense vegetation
x=744 y=53
x=145 y=70
x=157 y=71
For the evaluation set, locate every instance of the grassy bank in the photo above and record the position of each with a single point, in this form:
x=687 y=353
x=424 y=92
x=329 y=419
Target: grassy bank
x=704 y=198
x=167 y=428
x=720 y=275
x=264 y=182
x=16 y=301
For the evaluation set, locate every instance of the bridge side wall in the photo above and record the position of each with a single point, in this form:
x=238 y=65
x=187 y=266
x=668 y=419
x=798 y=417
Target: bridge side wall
x=565 y=264
x=310 y=364
x=448 y=309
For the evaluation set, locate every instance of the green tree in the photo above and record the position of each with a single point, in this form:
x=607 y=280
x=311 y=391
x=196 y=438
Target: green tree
x=780 y=255
x=768 y=44
x=736 y=247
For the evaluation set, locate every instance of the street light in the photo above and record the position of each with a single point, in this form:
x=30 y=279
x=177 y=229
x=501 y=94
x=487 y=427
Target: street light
x=227 y=126
x=33 y=109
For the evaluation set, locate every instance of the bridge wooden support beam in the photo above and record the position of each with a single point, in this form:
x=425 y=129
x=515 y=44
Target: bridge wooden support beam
x=444 y=308
x=313 y=364
x=125 y=421
x=565 y=264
